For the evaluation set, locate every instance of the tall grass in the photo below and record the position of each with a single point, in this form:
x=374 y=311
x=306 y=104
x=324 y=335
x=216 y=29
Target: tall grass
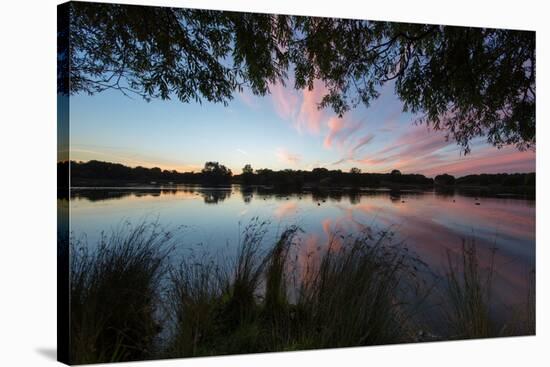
x=277 y=310
x=194 y=298
x=468 y=305
x=356 y=296
x=229 y=305
x=359 y=290
x=522 y=319
x=468 y=296
x=115 y=292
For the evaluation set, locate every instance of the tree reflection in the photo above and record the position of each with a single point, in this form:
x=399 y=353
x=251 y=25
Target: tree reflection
x=215 y=196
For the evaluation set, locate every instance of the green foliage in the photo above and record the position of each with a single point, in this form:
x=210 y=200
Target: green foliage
x=470 y=82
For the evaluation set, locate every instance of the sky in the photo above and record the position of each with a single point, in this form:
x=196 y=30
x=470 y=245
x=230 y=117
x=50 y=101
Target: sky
x=284 y=129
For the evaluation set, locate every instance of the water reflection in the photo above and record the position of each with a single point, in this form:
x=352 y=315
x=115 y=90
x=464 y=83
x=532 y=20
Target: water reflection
x=431 y=223
x=215 y=196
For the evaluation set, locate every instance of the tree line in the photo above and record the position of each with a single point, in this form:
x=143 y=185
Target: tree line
x=97 y=173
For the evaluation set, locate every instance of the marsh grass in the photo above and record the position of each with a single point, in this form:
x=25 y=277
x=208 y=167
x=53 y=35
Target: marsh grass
x=130 y=300
x=115 y=293
x=467 y=300
x=357 y=295
x=469 y=307
x=522 y=316
x=353 y=297
x=223 y=305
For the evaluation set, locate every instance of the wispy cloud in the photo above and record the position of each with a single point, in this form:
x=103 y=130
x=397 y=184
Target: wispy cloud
x=362 y=142
x=339 y=131
x=285 y=101
x=354 y=148
x=428 y=152
x=414 y=145
x=487 y=160
x=300 y=108
x=287 y=157
x=310 y=116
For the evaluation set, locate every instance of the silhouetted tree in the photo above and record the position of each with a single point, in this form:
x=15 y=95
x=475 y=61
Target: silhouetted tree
x=395 y=172
x=247 y=169
x=530 y=179
x=248 y=174
x=355 y=176
x=444 y=179
x=97 y=173
x=215 y=173
x=468 y=81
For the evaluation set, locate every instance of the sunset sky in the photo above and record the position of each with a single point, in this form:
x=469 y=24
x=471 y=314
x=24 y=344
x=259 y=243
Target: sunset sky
x=278 y=131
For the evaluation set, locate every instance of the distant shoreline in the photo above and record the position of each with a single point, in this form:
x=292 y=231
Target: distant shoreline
x=96 y=174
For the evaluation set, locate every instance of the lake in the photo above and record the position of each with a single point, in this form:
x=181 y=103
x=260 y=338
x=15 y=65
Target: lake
x=430 y=223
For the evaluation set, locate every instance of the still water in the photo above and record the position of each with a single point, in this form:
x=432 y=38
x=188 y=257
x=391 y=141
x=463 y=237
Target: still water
x=430 y=224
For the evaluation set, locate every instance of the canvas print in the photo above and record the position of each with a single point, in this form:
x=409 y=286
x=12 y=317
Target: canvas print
x=232 y=182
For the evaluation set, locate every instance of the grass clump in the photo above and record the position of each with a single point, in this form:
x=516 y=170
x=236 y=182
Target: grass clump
x=467 y=300
x=115 y=293
x=224 y=306
x=356 y=296
x=351 y=298
x=467 y=304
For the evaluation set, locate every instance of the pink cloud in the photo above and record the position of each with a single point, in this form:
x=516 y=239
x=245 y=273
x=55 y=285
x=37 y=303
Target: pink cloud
x=300 y=107
x=356 y=146
x=310 y=116
x=412 y=146
x=340 y=130
x=488 y=160
x=286 y=157
x=335 y=125
x=285 y=101
x=419 y=150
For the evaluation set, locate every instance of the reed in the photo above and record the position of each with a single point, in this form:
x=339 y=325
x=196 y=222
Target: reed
x=115 y=294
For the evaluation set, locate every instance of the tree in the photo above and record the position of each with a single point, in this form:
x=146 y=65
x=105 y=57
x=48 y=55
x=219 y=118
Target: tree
x=396 y=172
x=216 y=173
x=530 y=179
x=247 y=170
x=444 y=179
x=248 y=174
x=470 y=82
x=355 y=174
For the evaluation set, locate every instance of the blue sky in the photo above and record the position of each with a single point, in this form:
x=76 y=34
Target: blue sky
x=281 y=130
